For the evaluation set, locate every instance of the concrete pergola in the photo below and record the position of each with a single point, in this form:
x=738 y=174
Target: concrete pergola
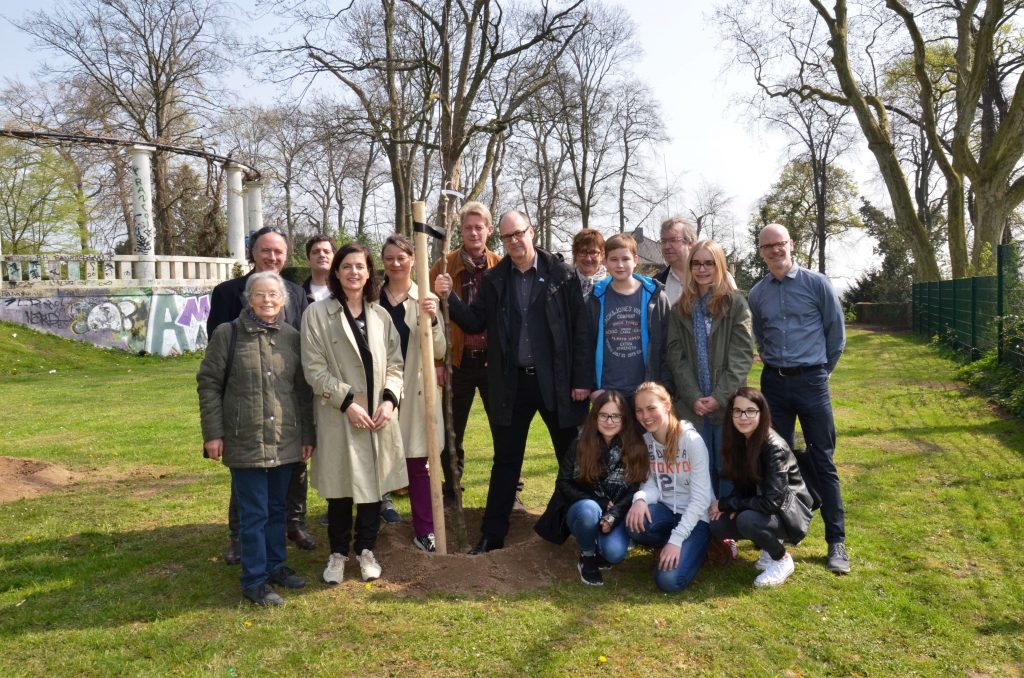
x=244 y=208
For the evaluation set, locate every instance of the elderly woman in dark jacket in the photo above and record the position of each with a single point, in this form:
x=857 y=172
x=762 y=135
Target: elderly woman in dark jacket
x=256 y=412
x=769 y=504
x=596 y=481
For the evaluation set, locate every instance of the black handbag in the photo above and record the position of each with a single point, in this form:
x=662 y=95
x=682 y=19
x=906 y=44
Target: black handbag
x=796 y=517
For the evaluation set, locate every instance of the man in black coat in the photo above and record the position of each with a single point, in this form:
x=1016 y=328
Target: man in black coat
x=268 y=250
x=528 y=303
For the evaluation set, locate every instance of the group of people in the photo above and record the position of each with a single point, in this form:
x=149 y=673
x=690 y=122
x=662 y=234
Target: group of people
x=641 y=383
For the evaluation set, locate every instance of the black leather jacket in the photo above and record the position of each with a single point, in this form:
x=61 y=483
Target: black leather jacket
x=781 y=486
x=612 y=486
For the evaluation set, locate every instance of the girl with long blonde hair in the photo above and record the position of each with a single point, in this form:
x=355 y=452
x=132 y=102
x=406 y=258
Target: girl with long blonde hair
x=670 y=510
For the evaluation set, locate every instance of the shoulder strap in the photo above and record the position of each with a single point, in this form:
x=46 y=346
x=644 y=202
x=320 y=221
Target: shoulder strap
x=231 y=356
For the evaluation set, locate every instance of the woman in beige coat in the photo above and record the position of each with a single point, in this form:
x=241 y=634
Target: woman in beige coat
x=401 y=298
x=352 y=357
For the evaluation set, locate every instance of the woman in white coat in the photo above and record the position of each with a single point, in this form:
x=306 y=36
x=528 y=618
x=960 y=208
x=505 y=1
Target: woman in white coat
x=400 y=297
x=352 y=358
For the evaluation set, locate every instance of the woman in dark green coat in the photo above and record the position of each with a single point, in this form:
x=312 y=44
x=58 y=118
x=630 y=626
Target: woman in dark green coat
x=256 y=413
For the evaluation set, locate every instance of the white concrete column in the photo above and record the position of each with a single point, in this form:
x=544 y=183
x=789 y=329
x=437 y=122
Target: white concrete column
x=142 y=215
x=253 y=206
x=235 y=213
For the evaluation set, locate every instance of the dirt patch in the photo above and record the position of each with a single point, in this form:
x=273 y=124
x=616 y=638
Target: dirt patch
x=30 y=478
x=526 y=563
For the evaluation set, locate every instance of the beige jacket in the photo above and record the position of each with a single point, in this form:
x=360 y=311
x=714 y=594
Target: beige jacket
x=412 y=417
x=351 y=462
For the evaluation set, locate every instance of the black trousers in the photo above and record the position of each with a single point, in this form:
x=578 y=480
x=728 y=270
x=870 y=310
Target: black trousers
x=806 y=397
x=339 y=525
x=468 y=378
x=296 y=503
x=509 y=448
x=766 y=531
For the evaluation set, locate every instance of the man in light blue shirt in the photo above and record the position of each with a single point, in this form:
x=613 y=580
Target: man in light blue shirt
x=800 y=333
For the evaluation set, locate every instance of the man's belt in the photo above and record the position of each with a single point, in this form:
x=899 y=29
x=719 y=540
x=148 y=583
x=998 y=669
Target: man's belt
x=794 y=371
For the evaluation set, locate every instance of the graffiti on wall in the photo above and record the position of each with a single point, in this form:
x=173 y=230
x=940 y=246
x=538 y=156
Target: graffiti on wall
x=162 y=322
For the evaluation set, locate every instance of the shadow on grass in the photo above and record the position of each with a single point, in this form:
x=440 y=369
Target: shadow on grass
x=99 y=580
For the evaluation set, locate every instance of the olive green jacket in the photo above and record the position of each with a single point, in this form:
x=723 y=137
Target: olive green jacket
x=731 y=354
x=266 y=414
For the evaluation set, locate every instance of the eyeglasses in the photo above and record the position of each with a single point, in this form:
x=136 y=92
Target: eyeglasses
x=675 y=241
x=774 y=245
x=609 y=418
x=514 y=235
x=748 y=413
x=590 y=254
x=702 y=264
x=269 y=296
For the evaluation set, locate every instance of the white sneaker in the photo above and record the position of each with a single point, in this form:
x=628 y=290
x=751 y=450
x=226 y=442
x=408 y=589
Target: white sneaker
x=763 y=561
x=335 y=570
x=777 y=572
x=369 y=568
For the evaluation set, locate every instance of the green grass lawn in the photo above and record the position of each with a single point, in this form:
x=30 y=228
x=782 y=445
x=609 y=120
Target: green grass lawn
x=120 y=573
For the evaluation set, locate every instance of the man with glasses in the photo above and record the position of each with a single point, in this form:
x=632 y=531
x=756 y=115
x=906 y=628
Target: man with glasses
x=466 y=267
x=528 y=304
x=268 y=251
x=800 y=332
x=677 y=237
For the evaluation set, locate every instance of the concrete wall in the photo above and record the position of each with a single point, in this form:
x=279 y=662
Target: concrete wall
x=162 y=321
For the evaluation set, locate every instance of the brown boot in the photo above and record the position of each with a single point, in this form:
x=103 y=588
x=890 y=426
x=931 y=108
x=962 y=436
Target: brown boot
x=233 y=555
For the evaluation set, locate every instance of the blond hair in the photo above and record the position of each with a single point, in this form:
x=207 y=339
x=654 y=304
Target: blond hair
x=675 y=427
x=474 y=207
x=722 y=286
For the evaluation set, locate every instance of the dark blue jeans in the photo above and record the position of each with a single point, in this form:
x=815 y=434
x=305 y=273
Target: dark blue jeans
x=583 y=520
x=692 y=552
x=806 y=397
x=260 y=494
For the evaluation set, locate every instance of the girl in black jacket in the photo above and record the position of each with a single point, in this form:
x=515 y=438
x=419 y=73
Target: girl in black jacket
x=770 y=504
x=596 y=481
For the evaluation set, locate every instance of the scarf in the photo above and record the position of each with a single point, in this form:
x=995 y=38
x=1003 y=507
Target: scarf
x=702 y=335
x=587 y=282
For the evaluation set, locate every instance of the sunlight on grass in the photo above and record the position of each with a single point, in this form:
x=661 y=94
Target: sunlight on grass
x=120 y=573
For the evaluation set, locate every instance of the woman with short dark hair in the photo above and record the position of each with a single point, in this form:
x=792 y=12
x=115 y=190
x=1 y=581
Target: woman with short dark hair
x=588 y=258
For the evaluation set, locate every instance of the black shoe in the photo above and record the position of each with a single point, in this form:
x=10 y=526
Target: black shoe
x=426 y=543
x=233 y=556
x=303 y=539
x=589 y=572
x=286 y=577
x=262 y=595
x=602 y=563
x=486 y=544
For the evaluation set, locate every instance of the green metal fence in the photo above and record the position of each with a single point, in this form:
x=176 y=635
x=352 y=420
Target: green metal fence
x=979 y=314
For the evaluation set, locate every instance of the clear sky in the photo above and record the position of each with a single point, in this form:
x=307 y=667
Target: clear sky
x=683 y=63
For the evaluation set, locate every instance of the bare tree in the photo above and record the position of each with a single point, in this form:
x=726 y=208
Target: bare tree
x=153 y=61
x=709 y=209
x=814 y=52
x=639 y=129
x=588 y=74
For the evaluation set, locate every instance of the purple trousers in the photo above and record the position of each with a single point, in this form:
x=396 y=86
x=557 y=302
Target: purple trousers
x=419 y=496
